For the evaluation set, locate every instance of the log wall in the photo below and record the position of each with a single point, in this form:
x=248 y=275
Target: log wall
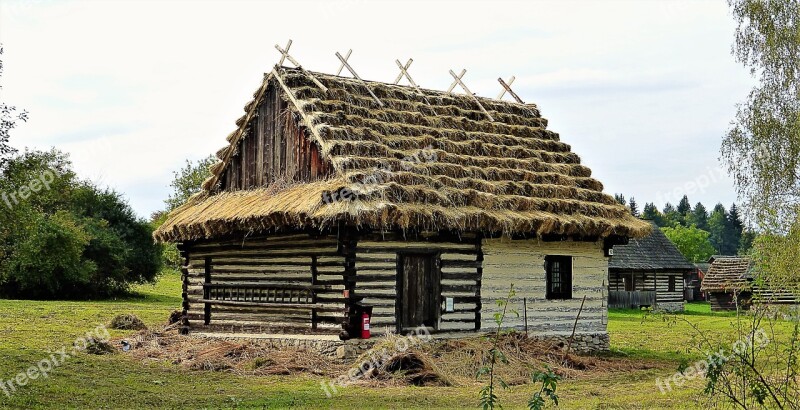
x=521 y=262
x=285 y=262
x=376 y=265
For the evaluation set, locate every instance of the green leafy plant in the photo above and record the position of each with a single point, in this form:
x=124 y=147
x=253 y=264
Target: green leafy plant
x=547 y=391
x=488 y=398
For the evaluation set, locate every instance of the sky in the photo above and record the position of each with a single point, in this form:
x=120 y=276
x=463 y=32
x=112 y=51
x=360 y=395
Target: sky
x=643 y=91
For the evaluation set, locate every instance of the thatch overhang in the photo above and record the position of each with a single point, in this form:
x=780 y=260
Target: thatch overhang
x=418 y=162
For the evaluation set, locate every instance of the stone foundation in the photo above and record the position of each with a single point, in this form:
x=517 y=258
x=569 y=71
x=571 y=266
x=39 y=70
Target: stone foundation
x=583 y=342
x=669 y=307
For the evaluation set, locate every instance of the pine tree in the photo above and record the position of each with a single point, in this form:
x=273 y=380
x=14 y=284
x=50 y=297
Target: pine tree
x=684 y=210
x=671 y=216
x=734 y=230
x=699 y=217
x=651 y=213
x=634 y=207
x=620 y=198
x=717 y=223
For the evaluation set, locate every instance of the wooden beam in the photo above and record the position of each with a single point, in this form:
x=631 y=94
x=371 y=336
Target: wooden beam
x=457 y=80
x=341 y=66
x=283 y=55
x=507 y=88
x=403 y=69
x=404 y=73
x=306 y=119
x=355 y=75
x=455 y=83
x=286 y=55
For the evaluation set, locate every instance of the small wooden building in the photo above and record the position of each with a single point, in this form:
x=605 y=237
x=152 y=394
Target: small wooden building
x=728 y=283
x=731 y=281
x=327 y=202
x=650 y=272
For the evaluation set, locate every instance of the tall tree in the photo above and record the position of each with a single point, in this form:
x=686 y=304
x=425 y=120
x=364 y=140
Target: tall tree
x=671 y=215
x=735 y=227
x=8 y=120
x=692 y=242
x=718 y=227
x=762 y=147
x=634 y=207
x=699 y=217
x=187 y=181
x=620 y=198
x=651 y=213
x=684 y=207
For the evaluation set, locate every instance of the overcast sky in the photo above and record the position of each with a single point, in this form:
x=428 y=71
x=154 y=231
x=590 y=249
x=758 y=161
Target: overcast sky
x=643 y=91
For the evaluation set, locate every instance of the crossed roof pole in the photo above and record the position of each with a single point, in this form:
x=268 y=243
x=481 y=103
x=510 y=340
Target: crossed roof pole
x=457 y=79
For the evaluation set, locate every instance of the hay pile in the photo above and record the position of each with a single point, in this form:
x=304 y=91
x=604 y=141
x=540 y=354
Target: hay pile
x=451 y=362
x=241 y=357
x=454 y=362
x=127 y=321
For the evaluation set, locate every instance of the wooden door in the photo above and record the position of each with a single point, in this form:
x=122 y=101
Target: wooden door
x=419 y=299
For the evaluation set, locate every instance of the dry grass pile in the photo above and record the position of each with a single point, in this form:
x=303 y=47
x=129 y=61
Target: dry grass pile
x=393 y=360
x=456 y=361
x=400 y=360
x=99 y=347
x=241 y=357
x=127 y=321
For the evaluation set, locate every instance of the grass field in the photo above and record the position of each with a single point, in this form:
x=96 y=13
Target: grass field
x=31 y=330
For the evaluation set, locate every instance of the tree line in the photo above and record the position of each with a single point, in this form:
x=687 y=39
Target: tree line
x=63 y=237
x=696 y=232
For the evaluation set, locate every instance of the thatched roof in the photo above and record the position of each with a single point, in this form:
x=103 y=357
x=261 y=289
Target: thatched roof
x=411 y=165
x=654 y=252
x=728 y=273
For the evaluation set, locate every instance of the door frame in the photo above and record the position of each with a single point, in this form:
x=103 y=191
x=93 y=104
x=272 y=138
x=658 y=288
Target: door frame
x=436 y=271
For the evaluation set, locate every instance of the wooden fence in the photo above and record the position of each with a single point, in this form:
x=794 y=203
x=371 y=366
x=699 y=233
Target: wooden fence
x=621 y=299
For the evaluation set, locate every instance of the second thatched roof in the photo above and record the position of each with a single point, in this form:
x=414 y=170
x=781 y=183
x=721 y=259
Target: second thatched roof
x=728 y=273
x=430 y=161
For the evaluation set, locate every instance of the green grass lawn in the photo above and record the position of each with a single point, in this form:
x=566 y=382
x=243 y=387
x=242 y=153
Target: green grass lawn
x=30 y=330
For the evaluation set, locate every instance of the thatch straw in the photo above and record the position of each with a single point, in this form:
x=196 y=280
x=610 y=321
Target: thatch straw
x=510 y=176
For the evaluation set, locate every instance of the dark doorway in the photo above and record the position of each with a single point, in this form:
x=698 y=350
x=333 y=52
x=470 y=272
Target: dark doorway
x=419 y=287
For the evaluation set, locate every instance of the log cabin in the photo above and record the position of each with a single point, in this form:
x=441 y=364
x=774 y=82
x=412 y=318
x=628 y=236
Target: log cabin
x=728 y=283
x=732 y=281
x=650 y=272
x=335 y=197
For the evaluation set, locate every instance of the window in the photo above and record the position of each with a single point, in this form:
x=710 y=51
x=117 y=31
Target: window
x=559 y=277
x=628 y=281
x=671 y=284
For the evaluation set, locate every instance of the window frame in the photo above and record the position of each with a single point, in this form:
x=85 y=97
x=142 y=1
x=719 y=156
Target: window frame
x=564 y=266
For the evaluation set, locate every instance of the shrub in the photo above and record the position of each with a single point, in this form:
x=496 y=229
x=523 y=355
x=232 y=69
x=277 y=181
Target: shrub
x=71 y=241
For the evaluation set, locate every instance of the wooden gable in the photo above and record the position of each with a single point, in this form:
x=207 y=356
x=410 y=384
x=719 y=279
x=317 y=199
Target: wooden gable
x=274 y=148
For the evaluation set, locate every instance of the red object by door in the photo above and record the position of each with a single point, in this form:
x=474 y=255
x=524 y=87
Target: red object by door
x=365 y=325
